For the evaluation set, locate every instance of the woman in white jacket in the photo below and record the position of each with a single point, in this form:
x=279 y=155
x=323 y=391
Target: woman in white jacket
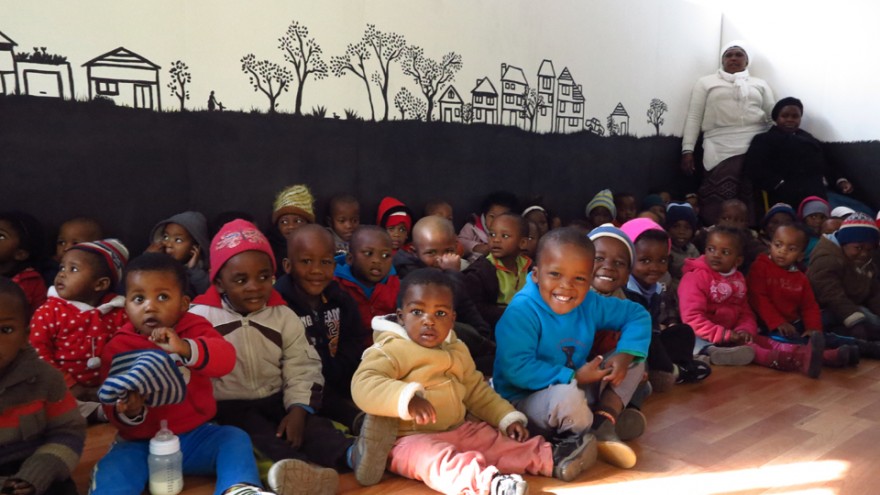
x=730 y=107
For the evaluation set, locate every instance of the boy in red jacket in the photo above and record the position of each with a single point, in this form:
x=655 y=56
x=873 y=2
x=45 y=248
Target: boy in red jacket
x=157 y=310
x=367 y=275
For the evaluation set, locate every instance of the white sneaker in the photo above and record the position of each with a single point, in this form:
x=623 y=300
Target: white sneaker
x=296 y=477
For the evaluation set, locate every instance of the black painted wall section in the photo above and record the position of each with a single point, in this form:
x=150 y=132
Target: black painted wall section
x=131 y=168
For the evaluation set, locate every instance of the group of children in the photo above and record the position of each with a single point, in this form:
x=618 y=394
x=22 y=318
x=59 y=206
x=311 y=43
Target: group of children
x=463 y=360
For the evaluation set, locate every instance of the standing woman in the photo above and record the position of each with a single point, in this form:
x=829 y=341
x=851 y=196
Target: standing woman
x=729 y=107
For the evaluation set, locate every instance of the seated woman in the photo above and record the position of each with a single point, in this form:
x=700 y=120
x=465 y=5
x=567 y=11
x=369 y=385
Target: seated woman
x=788 y=162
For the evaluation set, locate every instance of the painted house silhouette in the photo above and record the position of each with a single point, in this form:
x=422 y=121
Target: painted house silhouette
x=126 y=78
x=484 y=101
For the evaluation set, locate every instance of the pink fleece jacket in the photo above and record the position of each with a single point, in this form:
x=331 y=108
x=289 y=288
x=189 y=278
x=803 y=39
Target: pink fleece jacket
x=714 y=304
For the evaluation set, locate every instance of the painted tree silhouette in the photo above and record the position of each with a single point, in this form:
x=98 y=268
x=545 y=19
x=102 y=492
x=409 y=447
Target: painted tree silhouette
x=180 y=77
x=467 y=113
x=387 y=47
x=430 y=75
x=267 y=77
x=353 y=62
x=655 y=113
x=406 y=102
x=305 y=55
x=594 y=125
x=533 y=102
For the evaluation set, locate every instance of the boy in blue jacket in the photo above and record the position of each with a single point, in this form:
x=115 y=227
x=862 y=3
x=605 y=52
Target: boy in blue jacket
x=545 y=336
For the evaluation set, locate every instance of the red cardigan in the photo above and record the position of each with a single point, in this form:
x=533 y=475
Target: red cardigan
x=383 y=300
x=780 y=296
x=216 y=357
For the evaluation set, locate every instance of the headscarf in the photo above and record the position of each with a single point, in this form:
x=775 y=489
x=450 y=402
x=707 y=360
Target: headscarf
x=740 y=80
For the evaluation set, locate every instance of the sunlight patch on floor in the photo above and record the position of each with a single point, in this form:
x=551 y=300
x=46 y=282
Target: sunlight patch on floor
x=788 y=475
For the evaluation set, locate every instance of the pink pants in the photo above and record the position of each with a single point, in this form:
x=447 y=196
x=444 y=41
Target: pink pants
x=465 y=460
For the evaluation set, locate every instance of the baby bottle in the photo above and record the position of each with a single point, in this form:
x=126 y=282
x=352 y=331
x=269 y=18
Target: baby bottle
x=165 y=462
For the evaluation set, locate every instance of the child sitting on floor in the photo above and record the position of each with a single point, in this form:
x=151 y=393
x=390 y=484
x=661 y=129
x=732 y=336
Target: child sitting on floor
x=367 y=275
x=184 y=237
x=422 y=381
x=21 y=240
x=474 y=236
x=670 y=355
x=439 y=208
x=343 y=217
x=330 y=317
x=397 y=219
x=71 y=232
x=43 y=432
x=681 y=223
x=712 y=300
x=70 y=329
x=492 y=280
x=293 y=208
x=160 y=330
x=844 y=279
x=791 y=336
x=545 y=337
x=274 y=390
x=813 y=211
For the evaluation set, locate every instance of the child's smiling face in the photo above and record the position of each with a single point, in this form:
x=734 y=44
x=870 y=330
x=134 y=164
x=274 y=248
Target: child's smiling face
x=611 y=265
x=652 y=261
x=246 y=279
x=563 y=275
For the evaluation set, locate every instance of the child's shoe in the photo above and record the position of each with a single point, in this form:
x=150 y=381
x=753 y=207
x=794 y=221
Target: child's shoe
x=693 y=372
x=296 y=477
x=612 y=449
x=572 y=455
x=508 y=484
x=369 y=454
x=854 y=354
x=739 y=355
x=245 y=489
x=836 y=358
x=867 y=349
x=661 y=381
x=631 y=424
x=810 y=355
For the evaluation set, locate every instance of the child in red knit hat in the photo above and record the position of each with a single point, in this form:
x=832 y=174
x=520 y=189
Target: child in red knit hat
x=397 y=219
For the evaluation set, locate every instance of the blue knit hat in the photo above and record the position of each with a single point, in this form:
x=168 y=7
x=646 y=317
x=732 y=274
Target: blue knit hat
x=857 y=227
x=779 y=208
x=681 y=211
x=609 y=230
x=151 y=373
x=605 y=199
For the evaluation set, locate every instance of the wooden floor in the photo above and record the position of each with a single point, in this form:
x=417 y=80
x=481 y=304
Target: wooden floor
x=746 y=430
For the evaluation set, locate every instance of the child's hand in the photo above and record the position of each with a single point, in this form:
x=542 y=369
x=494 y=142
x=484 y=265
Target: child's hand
x=168 y=340
x=132 y=405
x=156 y=247
x=590 y=372
x=194 y=257
x=292 y=426
x=18 y=487
x=421 y=411
x=449 y=261
x=740 y=337
x=84 y=394
x=618 y=364
x=787 y=329
x=518 y=432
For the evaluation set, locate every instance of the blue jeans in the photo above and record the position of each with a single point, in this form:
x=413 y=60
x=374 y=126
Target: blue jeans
x=207 y=450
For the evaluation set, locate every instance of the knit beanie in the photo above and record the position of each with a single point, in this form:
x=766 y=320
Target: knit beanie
x=609 y=230
x=681 y=211
x=779 y=208
x=811 y=205
x=236 y=237
x=638 y=226
x=297 y=200
x=194 y=223
x=857 y=227
x=111 y=251
x=151 y=373
x=788 y=100
x=842 y=212
x=393 y=212
x=652 y=200
x=603 y=198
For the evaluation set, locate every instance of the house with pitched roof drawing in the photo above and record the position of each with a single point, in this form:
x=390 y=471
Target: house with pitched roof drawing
x=546 y=91
x=618 y=121
x=513 y=96
x=126 y=78
x=484 y=100
x=8 y=76
x=569 y=104
x=451 y=105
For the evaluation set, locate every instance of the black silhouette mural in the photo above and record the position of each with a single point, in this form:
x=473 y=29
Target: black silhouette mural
x=305 y=55
x=125 y=78
x=655 y=113
x=180 y=77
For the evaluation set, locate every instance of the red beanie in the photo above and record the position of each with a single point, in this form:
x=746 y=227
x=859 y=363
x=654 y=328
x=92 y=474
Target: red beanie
x=236 y=237
x=393 y=212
